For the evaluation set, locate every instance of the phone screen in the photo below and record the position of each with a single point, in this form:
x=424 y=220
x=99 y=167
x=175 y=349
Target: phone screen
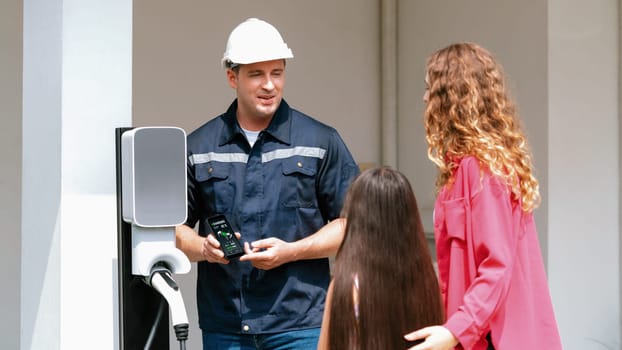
x=223 y=232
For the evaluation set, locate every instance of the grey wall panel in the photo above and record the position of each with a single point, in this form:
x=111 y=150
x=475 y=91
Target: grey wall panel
x=10 y=158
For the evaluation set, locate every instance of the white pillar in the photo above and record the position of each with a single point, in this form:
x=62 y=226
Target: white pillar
x=584 y=170
x=76 y=90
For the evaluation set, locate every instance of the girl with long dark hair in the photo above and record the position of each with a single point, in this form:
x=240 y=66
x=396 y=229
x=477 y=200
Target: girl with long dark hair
x=384 y=282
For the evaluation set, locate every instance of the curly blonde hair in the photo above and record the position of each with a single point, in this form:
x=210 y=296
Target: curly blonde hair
x=469 y=112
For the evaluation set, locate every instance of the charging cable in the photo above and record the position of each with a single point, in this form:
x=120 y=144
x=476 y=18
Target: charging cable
x=154 y=327
x=162 y=281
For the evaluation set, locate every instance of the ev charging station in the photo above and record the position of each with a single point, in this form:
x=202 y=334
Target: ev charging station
x=151 y=201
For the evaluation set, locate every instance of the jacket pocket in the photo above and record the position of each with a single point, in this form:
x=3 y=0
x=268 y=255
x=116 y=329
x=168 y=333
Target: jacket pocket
x=298 y=188
x=216 y=187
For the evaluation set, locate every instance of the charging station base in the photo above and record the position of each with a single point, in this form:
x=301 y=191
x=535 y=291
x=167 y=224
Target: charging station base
x=138 y=303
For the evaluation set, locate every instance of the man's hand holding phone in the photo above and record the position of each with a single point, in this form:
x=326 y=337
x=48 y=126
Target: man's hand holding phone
x=212 y=251
x=223 y=244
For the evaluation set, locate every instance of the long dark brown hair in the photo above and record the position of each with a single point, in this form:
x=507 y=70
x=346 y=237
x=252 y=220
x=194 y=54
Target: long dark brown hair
x=384 y=245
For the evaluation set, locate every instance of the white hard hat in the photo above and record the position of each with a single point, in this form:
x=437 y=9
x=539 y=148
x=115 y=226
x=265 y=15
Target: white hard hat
x=253 y=41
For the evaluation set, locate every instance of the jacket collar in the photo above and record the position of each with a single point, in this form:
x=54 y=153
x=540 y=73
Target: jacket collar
x=279 y=127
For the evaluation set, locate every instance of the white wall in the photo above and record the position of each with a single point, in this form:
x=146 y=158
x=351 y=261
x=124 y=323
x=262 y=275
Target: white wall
x=76 y=90
x=10 y=158
x=40 y=287
x=584 y=169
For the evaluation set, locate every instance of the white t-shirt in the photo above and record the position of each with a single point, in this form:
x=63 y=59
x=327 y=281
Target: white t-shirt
x=251 y=136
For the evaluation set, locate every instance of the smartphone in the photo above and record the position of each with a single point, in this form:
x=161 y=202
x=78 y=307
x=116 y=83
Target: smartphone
x=224 y=233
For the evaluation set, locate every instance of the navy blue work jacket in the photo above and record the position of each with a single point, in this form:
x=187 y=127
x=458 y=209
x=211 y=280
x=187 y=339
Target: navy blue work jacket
x=288 y=185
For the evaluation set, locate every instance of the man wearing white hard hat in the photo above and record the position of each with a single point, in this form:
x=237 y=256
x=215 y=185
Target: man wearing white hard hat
x=278 y=176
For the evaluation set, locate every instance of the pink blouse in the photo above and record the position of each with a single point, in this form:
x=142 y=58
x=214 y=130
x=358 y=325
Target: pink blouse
x=490 y=267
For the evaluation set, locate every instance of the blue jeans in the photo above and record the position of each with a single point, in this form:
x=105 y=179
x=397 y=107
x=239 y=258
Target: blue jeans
x=305 y=339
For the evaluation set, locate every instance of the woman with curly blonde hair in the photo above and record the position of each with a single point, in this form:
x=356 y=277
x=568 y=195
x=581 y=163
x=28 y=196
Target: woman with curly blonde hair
x=491 y=273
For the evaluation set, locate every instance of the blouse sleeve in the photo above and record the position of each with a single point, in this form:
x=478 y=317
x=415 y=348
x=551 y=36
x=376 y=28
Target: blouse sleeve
x=491 y=235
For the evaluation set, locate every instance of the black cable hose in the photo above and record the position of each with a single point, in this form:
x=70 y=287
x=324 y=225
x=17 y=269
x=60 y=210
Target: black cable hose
x=152 y=333
x=181 y=332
